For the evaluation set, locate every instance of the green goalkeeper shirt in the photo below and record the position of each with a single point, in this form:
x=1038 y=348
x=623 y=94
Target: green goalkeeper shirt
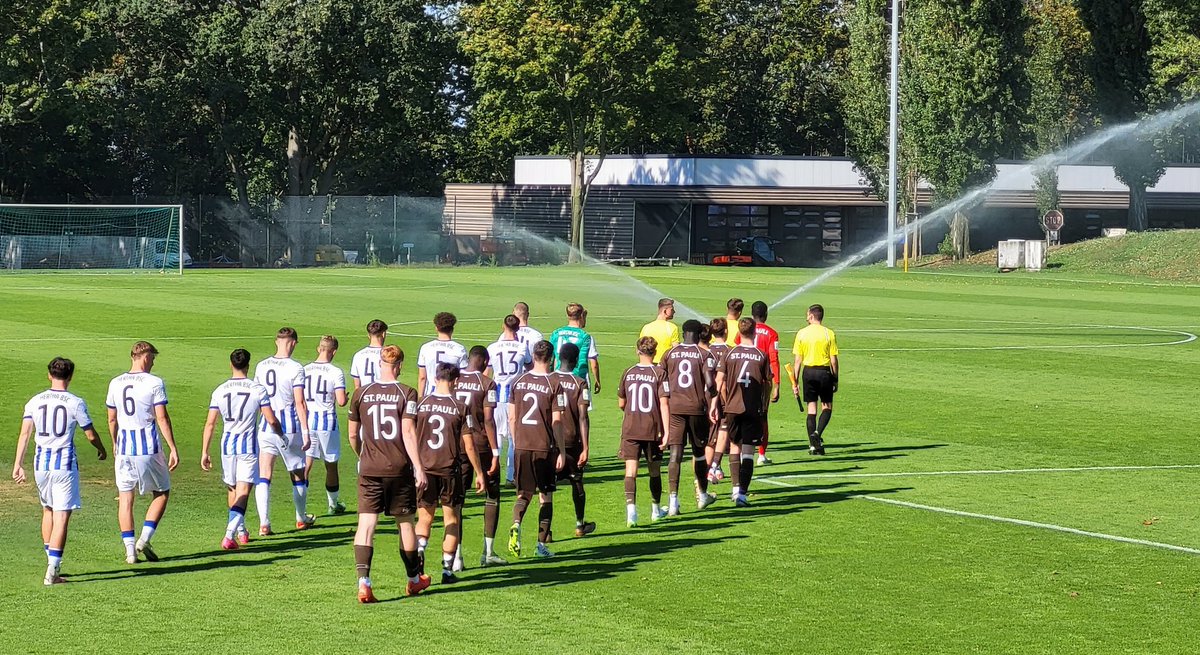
x=579 y=337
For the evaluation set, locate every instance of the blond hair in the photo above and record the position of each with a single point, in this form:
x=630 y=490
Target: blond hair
x=143 y=348
x=329 y=343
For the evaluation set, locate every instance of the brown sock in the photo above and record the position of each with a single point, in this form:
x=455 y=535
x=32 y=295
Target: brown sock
x=656 y=489
x=362 y=560
x=630 y=489
x=700 y=468
x=412 y=564
x=673 y=466
x=545 y=515
x=491 y=517
x=735 y=469
x=747 y=472
x=519 y=508
x=579 y=496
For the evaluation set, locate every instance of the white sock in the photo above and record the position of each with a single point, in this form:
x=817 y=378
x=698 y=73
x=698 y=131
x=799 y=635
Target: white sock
x=737 y=491
x=422 y=542
x=262 y=501
x=332 y=496
x=488 y=544
x=674 y=500
x=128 y=539
x=148 y=529
x=655 y=507
x=447 y=562
x=366 y=581
x=630 y=510
x=53 y=562
x=300 y=500
x=458 y=553
x=235 y=520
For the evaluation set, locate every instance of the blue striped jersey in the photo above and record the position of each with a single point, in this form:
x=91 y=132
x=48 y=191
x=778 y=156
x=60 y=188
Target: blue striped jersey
x=433 y=352
x=364 y=367
x=322 y=380
x=133 y=396
x=55 y=415
x=282 y=376
x=508 y=359
x=239 y=401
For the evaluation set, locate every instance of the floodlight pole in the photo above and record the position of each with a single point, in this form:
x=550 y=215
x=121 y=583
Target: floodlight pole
x=893 y=112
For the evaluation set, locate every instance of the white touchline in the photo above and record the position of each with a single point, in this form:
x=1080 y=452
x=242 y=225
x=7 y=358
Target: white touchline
x=906 y=474
x=1002 y=519
x=1180 y=285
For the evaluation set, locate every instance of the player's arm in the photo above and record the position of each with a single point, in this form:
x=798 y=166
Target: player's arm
x=468 y=446
x=716 y=398
x=512 y=419
x=352 y=428
x=163 y=418
x=773 y=352
x=408 y=428
x=93 y=438
x=585 y=427
x=112 y=427
x=664 y=408
x=301 y=414
x=271 y=418
x=556 y=423
x=421 y=378
x=594 y=367
x=798 y=365
x=341 y=396
x=768 y=389
x=489 y=428
x=209 y=426
x=18 y=472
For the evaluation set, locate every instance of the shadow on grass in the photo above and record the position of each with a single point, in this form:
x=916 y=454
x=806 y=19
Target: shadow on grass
x=154 y=569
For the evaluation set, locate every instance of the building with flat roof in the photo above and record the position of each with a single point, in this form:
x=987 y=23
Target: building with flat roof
x=815 y=209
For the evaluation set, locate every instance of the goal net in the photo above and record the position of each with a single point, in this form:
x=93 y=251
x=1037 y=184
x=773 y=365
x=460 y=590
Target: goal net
x=92 y=238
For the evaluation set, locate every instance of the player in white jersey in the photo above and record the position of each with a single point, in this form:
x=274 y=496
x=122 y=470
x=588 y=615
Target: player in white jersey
x=525 y=334
x=508 y=359
x=364 y=367
x=442 y=349
x=284 y=379
x=50 y=418
x=237 y=402
x=324 y=392
x=138 y=424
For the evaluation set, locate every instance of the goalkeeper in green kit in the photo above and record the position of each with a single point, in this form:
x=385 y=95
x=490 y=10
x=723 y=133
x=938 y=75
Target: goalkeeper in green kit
x=574 y=332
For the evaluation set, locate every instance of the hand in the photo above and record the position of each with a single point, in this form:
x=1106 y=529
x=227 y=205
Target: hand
x=596 y=388
x=775 y=395
x=796 y=391
x=419 y=477
x=662 y=442
x=560 y=462
x=835 y=383
x=583 y=458
x=479 y=485
x=495 y=467
x=101 y=453
x=19 y=474
x=172 y=461
x=206 y=462
x=307 y=443
x=712 y=415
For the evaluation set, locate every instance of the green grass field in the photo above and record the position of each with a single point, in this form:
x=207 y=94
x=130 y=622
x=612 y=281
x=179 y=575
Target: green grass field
x=942 y=373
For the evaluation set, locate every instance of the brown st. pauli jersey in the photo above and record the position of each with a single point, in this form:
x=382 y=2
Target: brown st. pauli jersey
x=747 y=373
x=441 y=422
x=534 y=399
x=576 y=392
x=380 y=408
x=641 y=387
x=477 y=391
x=688 y=368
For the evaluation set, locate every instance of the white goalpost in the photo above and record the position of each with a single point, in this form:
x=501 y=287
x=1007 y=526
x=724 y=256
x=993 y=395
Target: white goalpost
x=92 y=238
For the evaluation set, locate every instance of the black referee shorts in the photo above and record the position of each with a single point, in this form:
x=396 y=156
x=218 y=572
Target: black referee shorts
x=817 y=384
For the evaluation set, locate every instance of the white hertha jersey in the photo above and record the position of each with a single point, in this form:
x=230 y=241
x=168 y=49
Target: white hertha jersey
x=526 y=335
x=365 y=365
x=239 y=401
x=281 y=376
x=321 y=382
x=451 y=352
x=55 y=415
x=134 y=397
x=508 y=359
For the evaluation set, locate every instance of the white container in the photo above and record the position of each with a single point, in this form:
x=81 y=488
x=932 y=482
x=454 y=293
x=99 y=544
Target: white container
x=1035 y=255
x=1010 y=254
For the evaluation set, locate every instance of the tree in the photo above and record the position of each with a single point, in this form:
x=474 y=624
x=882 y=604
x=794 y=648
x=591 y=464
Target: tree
x=1061 y=92
x=583 y=77
x=964 y=94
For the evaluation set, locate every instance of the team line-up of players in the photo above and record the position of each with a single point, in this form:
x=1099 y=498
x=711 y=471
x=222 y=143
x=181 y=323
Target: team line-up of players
x=707 y=387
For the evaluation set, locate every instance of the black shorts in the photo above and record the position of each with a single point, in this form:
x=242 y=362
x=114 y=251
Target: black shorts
x=571 y=469
x=631 y=449
x=714 y=430
x=689 y=429
x=745 y=429
x=817 y=384
x=491 y=483
x=394 y=496
x=535 y=472
x=442 y=491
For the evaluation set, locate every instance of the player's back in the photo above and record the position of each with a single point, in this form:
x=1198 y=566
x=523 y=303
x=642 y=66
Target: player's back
x=536 y=397
x=641 y=387
x=322 y=380
x=381 y=408
x=364 y=366
x=687 y=367
x=134 y=397
x=581 y=338
x=747 y=372
x=528 y=336
x=575 y=391
x=435 y=352
x=440 y=422
x=55 y=415
x=239 y=401
x=766 y=338
x=478 y=392
x=509 y=359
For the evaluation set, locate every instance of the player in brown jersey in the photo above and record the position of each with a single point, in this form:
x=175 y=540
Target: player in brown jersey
x=744 y=385
x=718 y=437
x=643 y=435
x=576 y=425
x=535 y=414
x=478 y=391
x=390 y=472
x=690 y=384
x=443 y=426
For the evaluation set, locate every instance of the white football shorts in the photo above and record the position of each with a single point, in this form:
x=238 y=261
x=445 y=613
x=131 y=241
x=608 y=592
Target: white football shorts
x=288 y=448
x=58 y=490
x=239 y=468
x=326 y=445
x=143 y=473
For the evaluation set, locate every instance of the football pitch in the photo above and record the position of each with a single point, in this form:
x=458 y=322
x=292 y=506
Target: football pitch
x=1012 y=468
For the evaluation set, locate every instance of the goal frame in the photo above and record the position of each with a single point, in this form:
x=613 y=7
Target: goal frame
x=178 y=227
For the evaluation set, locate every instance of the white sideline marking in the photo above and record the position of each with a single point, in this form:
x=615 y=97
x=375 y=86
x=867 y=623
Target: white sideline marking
x=1005 y=519
x=1182 y=285
x=907 y=474
x=1187 y=337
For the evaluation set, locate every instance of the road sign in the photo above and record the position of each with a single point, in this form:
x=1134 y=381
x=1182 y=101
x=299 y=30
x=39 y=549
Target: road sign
x=1053 y=220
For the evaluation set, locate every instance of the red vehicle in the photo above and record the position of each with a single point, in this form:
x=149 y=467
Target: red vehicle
x=750 y=251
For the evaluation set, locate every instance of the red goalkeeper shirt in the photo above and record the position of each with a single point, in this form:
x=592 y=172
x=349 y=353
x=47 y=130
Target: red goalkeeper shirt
x=766 y=339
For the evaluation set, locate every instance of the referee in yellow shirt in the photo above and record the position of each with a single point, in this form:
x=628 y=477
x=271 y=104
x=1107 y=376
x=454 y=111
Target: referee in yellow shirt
x=662 y=329
x=816 y=355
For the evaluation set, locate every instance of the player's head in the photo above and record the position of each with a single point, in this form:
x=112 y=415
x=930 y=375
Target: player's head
x=666 y=308
x=377 y=330
x=746 y=327
x=735 y=307
x=816 y=313
x=691 y=331
x=392 y=359
x=718 y=329
x=446 y=372
x=285 y=340
x=575 y=311
x=239 y=360
x=543 y=352
x=61 y=369
x=143 y=352
x=511 y=325
x=759 y=311
x=478 y=359
x=444 y=322
x=705 y=335
x=521 y=310
x=647 y=346
x=328 y=346
x=568 y=357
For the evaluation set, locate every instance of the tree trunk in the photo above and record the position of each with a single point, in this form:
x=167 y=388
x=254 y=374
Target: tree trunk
x=960 y=235
x=578 y=177
x=1138 y=220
